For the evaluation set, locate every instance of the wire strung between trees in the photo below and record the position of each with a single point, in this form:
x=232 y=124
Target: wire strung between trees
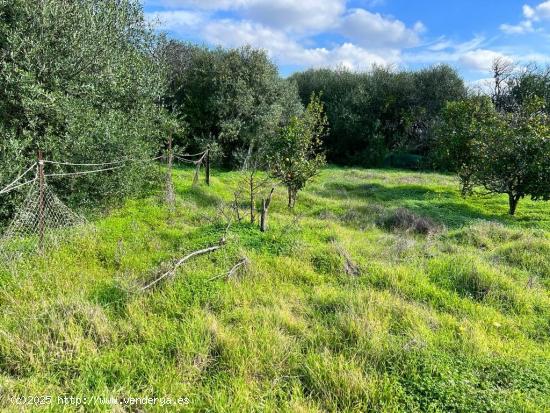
x=185 y=160
x=13 y=185
x=118 y=165
x=183 y=157
x=61 y=174
x=194 y=154
x=85 y=172
x=5 y=191
x=121 y=164
x=104 y=163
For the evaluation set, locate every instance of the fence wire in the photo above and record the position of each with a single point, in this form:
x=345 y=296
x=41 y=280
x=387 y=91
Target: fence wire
x=39 y=220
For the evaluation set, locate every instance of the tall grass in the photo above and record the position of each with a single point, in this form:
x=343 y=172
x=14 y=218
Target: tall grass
x=454 y=318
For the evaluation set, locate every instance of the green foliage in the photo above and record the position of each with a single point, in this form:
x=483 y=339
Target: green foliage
x=460 y=125
x=504 y=152
x=453 y=321
x=232 y=100
x=295 y=156
x=371 y=114
x=530 y=83
x=79 y=81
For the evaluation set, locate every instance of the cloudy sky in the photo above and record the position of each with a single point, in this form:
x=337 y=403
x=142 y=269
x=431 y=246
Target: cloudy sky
x=298 y=34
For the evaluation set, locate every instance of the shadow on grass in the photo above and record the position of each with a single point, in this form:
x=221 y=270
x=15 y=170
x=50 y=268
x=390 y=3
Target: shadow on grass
x=378 y=192
x=199 y=196
x=443 y=206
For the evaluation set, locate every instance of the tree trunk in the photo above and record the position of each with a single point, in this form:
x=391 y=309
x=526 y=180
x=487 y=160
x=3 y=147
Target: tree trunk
x=265 y=209
x=513 y=202
x=207 y=167
x=41 y=201
x=294 y=195
x=170 y=196
x=289 y=198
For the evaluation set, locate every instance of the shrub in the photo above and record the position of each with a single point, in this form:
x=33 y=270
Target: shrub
x=404 y=220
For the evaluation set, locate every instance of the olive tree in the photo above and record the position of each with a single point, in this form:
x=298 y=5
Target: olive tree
x=295 y=156
x=80 y=81
x=231 y=99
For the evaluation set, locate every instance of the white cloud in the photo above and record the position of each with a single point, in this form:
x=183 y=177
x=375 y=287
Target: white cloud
x=540 y=12
x=471 y=55
x=285 y=50
x=481 y=59
x=373 y=30
x=178 y=21
x=531 y=14
x=528 y=12
x=440 y=44
x=197 y=4
x=297 y=16
x=444 y=50
x=483 y=86
x=284 y=28
x=525 y=26
x=356 y=58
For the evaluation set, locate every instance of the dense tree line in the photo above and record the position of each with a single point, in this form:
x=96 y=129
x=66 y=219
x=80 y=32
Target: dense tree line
x=377 y=113
x=91 y=81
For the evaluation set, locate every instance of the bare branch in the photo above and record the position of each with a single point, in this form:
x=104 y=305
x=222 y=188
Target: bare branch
x=181 y=262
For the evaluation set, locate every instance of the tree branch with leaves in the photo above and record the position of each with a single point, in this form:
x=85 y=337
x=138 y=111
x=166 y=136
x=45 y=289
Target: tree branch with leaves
x=296 y=155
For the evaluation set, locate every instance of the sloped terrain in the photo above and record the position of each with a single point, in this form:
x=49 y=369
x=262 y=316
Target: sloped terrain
x=382 y=291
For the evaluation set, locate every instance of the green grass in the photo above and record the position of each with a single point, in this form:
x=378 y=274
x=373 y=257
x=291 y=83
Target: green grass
x=456 y=320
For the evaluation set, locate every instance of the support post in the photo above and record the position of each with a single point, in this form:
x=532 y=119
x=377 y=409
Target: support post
x=207 y=167
x=170 y=198
x=41 y=201
x=265 y=209
x=252 y=200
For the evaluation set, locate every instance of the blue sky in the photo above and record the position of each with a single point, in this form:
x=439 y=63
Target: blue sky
x=298 y=34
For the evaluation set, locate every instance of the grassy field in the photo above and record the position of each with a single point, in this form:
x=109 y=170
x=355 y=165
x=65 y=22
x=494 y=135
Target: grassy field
x=338 y=310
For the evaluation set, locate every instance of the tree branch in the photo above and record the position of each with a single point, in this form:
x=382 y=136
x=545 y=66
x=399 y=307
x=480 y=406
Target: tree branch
x=181 y=262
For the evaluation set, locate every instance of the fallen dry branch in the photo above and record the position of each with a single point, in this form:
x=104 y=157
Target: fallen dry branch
x=350 y=267
x=232 y=271
x=180 y=263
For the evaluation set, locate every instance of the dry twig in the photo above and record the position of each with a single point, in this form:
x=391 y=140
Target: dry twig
x=182 y=261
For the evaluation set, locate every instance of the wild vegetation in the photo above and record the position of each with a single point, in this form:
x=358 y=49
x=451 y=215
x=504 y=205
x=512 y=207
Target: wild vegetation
x=373 y=290
x=383 y=112
x=79 y=81
x=381 y=291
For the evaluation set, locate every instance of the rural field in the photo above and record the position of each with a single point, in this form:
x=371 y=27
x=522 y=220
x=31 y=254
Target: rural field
x=382 y=291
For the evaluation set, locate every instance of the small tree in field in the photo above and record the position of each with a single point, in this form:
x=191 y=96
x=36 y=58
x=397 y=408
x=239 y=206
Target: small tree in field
x=296 y=156
x=504 y=152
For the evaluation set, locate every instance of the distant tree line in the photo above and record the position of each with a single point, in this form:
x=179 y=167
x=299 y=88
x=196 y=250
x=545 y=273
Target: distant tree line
x=382 y=115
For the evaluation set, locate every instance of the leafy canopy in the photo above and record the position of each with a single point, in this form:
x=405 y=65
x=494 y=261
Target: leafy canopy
x=504 y=152
x=295 y=156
